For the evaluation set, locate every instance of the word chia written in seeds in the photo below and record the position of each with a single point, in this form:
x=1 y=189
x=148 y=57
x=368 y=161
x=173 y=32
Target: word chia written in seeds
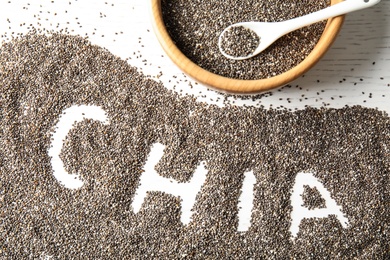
x=71 y=109
x=151 y=181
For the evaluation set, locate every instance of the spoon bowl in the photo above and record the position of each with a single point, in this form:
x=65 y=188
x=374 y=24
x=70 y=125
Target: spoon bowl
x=265 y=39
x=268 y=33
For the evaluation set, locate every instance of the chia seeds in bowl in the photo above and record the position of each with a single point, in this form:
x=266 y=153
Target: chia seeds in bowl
x=195 y=26
x=186 y=34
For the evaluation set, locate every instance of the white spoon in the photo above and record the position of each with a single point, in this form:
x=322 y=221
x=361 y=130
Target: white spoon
x=270 y=32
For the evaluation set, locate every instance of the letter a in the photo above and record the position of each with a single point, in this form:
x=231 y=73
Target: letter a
x=298 y=213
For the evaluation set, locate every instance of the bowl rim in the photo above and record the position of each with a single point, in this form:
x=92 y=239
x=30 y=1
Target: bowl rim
x=239 y=86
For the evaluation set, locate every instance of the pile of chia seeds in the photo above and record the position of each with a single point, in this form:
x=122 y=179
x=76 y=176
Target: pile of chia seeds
x=195 y=26
x=347 y=149
x=312 y=198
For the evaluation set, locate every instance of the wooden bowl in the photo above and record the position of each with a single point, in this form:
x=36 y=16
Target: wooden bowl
x=239 y=86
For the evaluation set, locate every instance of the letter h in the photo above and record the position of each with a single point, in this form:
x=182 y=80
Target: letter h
x=150 y=181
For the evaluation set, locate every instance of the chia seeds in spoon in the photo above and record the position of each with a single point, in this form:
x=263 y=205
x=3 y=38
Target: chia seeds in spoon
x=238 y=41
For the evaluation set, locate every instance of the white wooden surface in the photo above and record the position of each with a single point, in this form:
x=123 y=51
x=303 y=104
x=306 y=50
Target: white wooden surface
x=359 y=58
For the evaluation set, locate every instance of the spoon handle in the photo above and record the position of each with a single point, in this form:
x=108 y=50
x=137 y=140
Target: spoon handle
x=341 y=8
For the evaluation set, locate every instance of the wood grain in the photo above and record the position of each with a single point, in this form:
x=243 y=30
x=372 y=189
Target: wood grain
x=230 y=85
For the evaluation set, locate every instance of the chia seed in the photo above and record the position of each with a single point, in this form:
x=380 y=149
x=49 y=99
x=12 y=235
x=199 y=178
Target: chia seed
x=312 y=198
x=346 y=149
x=239 y=41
